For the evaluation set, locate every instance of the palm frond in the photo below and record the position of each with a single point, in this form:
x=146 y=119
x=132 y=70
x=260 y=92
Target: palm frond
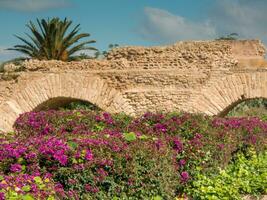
x=50 y=39
x=80 y=47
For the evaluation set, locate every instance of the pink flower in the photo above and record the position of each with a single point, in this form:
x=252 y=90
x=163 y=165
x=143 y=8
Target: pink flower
x=2 y=196
x=89 y=156
x=90 y=188
x=15 y=168
x=30 y=156
x=182 y=162
x=184 y=176
x=178 y=145
x=221 y=146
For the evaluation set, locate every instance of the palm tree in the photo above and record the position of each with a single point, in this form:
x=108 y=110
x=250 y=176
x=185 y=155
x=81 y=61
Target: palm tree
x=52 y=40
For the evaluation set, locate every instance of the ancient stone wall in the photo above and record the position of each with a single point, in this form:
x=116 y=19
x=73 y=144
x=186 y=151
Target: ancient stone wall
x=198 y=76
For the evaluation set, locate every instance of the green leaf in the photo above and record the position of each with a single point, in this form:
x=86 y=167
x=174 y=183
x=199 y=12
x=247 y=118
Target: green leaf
x=51 y=198
x=72 y=144
x=27 y=197
x=38 y=179
x=157 y=198
x=144 y=137
x=26 y=188
x=129 y=136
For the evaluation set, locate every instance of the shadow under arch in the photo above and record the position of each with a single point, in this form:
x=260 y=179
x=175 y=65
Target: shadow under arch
x=64 y=102
x=249 y=103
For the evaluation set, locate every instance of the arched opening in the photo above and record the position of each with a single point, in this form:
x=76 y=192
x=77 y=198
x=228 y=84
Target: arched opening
x=246 y=108
x=66 y=103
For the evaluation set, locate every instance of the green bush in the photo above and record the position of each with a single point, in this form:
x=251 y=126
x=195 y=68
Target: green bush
x=250 y=108
x=247 y=174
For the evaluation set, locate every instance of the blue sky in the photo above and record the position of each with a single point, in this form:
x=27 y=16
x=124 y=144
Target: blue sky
x=138 y=22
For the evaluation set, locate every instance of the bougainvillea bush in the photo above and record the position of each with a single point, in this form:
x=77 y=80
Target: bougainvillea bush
x=86 y=155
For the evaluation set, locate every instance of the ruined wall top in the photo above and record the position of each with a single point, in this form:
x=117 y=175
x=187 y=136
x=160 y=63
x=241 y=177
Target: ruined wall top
x=189 y=54
x=237 y=48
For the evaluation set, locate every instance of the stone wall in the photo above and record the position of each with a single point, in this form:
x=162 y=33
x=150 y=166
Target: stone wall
x=198 y=76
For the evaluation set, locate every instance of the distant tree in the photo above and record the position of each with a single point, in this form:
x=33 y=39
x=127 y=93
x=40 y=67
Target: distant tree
x=50 y=39
x=82 y=56
x=104 y=53
x=232 y=36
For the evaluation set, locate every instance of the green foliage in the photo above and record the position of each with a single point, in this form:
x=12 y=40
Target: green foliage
x=50 y=39
x=246 y=175
x=130 y=136
x=231 y=36
x=249 y=108
x=82 y=56
x=80 y=105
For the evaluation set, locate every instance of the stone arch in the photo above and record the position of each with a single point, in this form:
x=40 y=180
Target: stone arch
x=77 y=86
x=221 y=95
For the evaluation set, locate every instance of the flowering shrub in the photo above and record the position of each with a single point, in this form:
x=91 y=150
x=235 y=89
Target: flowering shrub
x=98 y=156
x=25 y=186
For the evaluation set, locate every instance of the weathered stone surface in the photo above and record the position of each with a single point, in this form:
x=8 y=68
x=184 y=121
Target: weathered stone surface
x=199 y=76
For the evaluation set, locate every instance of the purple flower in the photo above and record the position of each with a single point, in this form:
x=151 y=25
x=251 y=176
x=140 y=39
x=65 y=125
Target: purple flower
x=30 y=156
x=61 y=158
x=72 y=181
x=15 y=168
x=102 y=172
x=89 y=156
x=158 y=144
x=253 y=139
x=182 y=162
x=98 y=118
x=178 y=145
x=47 y=129
x=90 y=188
x=184 y=176
x=108 y=118
x=198 y=136
x=221 y=146
x=2 y=196
x=160 y=127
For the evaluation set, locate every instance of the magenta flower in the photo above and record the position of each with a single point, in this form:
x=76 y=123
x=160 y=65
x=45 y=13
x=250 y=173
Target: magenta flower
x=178 y=145
x=89 y=155
x=61 y=158
x=184 y=177
x=182 y=162
x=2 y=196
x=160 y=127
x=158 y=144
x=90 y=188
x=15 y=168
x=221 y=146
x=30 y=156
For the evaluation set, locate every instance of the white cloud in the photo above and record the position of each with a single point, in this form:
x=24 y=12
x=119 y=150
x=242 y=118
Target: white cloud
x=164 y=26
x=32 y=5
x=246 y=17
